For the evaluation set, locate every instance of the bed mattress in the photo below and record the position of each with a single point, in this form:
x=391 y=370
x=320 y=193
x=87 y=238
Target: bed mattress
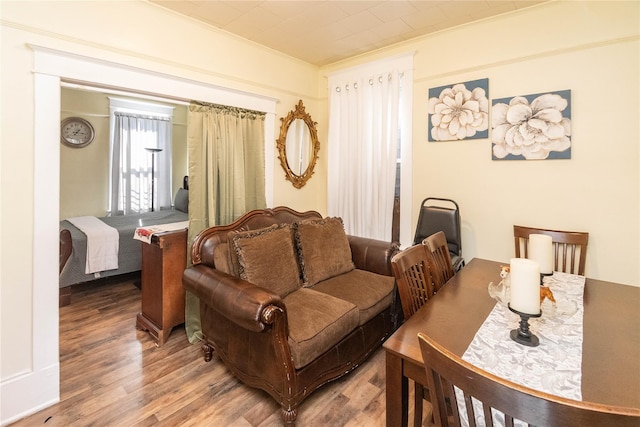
x=130 y=252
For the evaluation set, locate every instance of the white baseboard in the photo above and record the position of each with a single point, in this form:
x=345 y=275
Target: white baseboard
x=29 y=393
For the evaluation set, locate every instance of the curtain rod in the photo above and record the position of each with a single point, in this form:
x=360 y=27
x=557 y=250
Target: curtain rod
x=175 y=101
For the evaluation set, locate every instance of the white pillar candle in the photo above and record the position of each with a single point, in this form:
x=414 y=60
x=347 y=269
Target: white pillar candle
x=541 y=250
x=525 y=286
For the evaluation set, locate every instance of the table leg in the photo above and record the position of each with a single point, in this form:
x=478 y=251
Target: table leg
x=397 y=392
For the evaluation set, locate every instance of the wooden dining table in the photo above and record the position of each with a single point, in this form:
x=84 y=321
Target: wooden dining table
x=611 y=337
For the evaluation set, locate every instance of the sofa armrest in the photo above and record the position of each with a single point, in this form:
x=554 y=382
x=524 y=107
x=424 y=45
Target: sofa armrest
x=244 y=303
x=372 y=255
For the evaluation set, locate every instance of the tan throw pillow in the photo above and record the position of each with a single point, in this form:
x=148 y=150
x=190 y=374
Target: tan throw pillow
x=323 y=248
x=267 y=258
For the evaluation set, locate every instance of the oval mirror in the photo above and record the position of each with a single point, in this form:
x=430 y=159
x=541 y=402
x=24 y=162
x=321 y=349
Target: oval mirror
x=298 y=145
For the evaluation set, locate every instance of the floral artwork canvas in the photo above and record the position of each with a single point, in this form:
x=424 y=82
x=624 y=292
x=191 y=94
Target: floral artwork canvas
x=459 y=111
x=532 y=127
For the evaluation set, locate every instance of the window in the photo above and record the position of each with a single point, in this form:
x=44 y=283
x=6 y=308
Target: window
x=140 y=178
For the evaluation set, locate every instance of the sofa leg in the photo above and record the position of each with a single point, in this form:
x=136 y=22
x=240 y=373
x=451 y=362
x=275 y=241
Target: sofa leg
x=289 y=416
x=208 y=351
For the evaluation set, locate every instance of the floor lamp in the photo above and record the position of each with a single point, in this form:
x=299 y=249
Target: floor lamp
x=153 y=173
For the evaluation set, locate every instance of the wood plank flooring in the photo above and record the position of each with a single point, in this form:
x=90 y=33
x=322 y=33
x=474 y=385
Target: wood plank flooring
x=114 y=375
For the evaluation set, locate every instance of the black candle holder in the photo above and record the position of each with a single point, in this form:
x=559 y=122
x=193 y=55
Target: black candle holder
x=542 y=276
x=523 y=335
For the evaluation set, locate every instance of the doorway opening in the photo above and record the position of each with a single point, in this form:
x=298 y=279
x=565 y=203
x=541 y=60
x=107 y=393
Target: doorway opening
x=51 y=69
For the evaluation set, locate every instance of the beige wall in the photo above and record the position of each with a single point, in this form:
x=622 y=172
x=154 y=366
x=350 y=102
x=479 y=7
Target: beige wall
x=591 y=48
x=84 y=172
x=595 y=54
x=141 y=37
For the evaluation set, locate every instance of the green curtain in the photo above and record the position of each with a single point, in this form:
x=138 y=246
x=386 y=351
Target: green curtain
x=226 y=175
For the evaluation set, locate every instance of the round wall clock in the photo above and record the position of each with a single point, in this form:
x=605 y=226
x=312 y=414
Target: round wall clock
x=76 y=132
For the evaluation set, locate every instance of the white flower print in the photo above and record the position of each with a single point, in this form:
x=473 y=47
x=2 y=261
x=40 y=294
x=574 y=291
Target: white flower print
x=531 y=130
x=458 y=113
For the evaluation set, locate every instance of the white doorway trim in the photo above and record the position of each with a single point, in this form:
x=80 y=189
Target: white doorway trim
x=35 y=390
x=39 y=387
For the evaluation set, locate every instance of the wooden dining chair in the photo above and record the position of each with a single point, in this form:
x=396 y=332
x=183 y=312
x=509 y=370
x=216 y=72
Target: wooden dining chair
x=412 y=269
x=445 y=371
x=443 y=268
x=569 y=247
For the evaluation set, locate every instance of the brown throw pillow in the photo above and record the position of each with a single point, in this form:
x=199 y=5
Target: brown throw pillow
x=222 y=259
x=267 y=258
x=233 y=253
x=323 y=248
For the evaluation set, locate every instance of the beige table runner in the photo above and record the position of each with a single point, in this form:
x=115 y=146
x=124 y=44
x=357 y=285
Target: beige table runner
x=555 y=366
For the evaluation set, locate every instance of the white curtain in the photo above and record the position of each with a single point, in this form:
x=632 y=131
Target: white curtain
x=133 y=163
x=364 y=130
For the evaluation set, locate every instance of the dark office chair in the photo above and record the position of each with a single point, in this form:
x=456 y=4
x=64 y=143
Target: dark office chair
x=438 y=214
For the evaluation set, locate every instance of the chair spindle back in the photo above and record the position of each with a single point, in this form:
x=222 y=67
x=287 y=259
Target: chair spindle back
x=569 y=247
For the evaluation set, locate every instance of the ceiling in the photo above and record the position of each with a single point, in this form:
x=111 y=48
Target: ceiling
x=323 y=32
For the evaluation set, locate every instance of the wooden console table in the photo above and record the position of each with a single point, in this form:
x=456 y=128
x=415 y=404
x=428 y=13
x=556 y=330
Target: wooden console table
x=163 y=262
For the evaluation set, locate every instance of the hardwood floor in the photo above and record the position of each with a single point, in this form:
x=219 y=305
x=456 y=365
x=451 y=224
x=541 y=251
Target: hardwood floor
x=113 y=375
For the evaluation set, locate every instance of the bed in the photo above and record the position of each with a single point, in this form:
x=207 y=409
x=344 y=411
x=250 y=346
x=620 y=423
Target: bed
x=130 y=252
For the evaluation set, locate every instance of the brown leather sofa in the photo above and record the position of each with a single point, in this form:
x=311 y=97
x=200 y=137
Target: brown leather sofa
x=292 y=326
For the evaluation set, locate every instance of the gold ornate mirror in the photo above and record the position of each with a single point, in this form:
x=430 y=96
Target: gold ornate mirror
x=298 y=145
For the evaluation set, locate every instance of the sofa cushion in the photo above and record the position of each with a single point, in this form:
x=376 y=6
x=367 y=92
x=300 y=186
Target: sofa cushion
x=370 y=292
x=317 y=322
x=267 y=258
x=323 y=248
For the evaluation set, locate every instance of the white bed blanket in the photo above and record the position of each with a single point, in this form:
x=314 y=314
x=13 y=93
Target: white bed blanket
x=102 y=243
